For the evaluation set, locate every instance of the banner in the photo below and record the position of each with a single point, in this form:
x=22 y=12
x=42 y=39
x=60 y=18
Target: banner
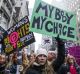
x=75 y=51
x=49 y=20
x=18 y=36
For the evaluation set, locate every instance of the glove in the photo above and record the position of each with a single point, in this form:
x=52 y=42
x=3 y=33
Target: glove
x=59 y=40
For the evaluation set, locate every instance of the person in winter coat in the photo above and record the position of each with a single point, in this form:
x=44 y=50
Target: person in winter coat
x=70 y=66
x=40 y=66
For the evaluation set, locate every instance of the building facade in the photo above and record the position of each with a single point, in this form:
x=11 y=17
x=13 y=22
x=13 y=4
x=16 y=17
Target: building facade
x=6 y=10
x=24 y=11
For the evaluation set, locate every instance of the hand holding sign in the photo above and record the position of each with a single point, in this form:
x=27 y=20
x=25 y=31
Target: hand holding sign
x=59 y=40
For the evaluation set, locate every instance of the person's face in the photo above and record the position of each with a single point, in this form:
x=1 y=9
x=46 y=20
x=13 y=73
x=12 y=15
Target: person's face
x=51 y=56
x=71 y=61
x=41 y=59
x=32 y=56
x=2 y=59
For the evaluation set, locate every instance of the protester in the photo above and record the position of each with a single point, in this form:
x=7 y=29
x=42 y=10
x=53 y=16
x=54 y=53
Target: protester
x=2 y=63
x=52 y=55
x=13 y=66
x=9 y=63
x=32 y=58
x=25 y=62
x=70 y=66
x=40 y=66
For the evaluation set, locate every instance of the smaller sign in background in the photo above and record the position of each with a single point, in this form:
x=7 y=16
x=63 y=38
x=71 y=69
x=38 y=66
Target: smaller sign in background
x=18 y=36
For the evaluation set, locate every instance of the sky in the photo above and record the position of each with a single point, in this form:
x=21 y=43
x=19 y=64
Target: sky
x=31 y=2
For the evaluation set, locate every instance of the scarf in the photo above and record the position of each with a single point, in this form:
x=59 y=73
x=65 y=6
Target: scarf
x=73 y=69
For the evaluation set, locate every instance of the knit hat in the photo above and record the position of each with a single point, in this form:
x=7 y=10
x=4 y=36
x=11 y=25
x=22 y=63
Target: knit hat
x=42 y=51
x=51 y=51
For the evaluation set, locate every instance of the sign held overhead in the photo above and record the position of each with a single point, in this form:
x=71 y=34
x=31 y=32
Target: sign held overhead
x=49 y=20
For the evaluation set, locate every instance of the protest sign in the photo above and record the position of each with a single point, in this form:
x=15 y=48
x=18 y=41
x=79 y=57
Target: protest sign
x=75 y=51
x=18 y=36
x=49 y=20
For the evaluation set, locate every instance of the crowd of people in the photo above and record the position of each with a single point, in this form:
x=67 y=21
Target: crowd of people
x=41 y=62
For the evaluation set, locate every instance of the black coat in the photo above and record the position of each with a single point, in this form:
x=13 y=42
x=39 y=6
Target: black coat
x=55 y=65
x=2 y=68
x=35 y=69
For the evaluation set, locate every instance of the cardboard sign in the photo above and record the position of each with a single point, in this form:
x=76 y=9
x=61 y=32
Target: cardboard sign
x=18 y=36
x=49 y=20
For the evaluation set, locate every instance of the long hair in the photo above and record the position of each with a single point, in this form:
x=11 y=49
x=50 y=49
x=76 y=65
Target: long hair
x=71 y=57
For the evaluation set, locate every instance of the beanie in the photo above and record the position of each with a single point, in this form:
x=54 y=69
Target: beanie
x=54 y=52
x=42 y=51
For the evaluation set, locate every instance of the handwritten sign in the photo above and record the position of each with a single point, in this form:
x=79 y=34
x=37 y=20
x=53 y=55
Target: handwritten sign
x=49 y=20
x=18 y=36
